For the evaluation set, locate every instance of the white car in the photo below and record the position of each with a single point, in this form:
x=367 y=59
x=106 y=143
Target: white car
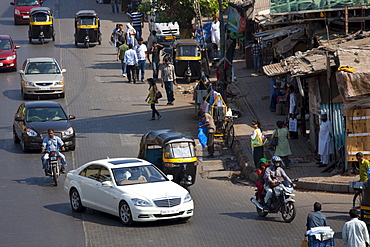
x=130 y=188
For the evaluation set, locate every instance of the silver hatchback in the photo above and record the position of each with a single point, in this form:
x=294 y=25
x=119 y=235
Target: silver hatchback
x=41 y=76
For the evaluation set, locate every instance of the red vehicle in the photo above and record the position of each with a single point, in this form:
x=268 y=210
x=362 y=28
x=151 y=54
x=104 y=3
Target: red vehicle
x=8 y=53
x=22 y=10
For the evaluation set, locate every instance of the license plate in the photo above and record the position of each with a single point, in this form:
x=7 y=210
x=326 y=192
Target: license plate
x=44 y=88
x=170 y=211
x=170 y=37
x=26 y=17
x=1 y=64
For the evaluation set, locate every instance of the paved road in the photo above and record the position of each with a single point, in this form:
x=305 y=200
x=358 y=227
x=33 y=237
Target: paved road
x=111 y=116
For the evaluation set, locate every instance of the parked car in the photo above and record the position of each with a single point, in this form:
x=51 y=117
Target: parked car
x=130 y=188
x=33 y=119
x=41 y=76
x=22 y=9
x=8 y=53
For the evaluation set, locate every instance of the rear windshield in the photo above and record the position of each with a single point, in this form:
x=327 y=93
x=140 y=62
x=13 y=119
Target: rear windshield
x=187 y=51
x=179 y=150
x=40 y=17
x=27 y=3
x=86 y=21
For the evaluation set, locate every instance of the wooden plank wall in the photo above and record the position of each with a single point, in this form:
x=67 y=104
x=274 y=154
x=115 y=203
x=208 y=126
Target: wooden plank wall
x=358 y=133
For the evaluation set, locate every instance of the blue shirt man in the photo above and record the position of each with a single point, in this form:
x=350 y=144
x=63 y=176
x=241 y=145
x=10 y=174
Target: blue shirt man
x=52 y=143
x=316 y=219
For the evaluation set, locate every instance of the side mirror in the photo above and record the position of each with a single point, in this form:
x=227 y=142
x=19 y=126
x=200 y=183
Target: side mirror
x=107 y=184
x=64 y=70
x=20 y=71
x=170 y=177
x=17 y=46
x=71 y=117
x=19 y=119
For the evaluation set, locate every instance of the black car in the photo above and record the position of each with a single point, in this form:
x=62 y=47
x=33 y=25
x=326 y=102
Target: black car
x=33 y=119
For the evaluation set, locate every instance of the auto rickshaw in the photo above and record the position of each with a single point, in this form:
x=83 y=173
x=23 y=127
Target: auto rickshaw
x=187 y=59
x=173 y=153
x=41 y=24
x=87 y=27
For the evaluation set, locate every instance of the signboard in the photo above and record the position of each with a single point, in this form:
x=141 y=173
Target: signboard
x=235 y=22
x=284 y=6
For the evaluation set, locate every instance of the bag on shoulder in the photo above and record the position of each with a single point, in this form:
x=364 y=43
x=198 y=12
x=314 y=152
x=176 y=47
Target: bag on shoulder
x=253 y=176
x=158 y=94
x=275 y=140
x=257 y=142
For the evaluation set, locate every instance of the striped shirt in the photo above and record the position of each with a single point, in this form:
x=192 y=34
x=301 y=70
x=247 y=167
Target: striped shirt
x=136 y=18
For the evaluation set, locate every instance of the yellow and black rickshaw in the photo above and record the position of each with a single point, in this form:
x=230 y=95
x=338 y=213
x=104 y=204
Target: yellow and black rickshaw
x=187 y=59
x=41 y=24
x=173 y=153
x=87 y=27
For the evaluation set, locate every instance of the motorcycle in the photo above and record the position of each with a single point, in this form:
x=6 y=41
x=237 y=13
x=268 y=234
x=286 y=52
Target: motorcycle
x=280 y=201
x=54 y=165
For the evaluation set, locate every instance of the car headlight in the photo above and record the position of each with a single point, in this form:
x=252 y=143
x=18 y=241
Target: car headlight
x=69 y=131
x=17 y=12
x=141 y=202
x=31 y=132
x=59 y=83
x=187 y=198
x=11 y=57
x=28 y=83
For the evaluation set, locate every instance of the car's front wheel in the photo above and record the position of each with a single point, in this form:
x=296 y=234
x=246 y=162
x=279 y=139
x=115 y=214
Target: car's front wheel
x=15 y=137
x=75 y=200
x=125 y=214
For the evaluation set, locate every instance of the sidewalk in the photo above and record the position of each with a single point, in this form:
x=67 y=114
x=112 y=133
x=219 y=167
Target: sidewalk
x=252 y=99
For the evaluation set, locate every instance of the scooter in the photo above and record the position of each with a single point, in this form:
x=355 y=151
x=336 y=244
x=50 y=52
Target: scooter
x=54 y=166
x=280 y=201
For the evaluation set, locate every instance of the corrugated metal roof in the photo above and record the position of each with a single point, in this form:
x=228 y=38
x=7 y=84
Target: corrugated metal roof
x=278 y=32
x=357 y=57
x=259 y=5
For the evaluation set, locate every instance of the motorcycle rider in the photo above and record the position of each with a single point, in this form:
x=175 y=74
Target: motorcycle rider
x=52 y=143
x=273 y=174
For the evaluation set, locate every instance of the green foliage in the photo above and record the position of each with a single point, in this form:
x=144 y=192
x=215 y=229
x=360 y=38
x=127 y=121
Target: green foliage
x=181 y=11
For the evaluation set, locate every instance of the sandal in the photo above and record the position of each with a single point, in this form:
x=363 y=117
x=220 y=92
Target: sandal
x=152 y=119
x=159 y=117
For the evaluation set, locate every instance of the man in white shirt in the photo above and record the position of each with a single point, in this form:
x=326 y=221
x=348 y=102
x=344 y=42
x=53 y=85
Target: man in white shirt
x=131 y=62
x=355 y=233
x=215 y=36
x=325 y=143
x=142 y=53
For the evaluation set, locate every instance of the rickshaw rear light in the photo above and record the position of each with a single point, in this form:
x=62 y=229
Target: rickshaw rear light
x=171 y=165
x=196 y=163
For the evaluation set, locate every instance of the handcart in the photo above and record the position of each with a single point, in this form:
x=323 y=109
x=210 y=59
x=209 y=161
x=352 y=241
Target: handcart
x=322 y=236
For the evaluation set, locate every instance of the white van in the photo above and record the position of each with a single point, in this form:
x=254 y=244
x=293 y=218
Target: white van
x=166 y=32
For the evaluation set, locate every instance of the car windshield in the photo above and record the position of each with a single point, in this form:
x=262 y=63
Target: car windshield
x=86 y=21
x=40 y=114
x=42 y=68
x=187 y=51
x=179 y=150
x=137 y=174
x=40 y=17
x=5 y=44
x=27 y=3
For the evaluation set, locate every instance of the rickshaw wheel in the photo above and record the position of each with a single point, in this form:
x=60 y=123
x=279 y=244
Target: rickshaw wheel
x=42 y=41
x=53 y=37
x=188 y=79
x=230 y=135
x=30 y=40
x=75 y=42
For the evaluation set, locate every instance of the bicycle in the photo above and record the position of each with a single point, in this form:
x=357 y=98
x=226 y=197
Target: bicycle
x=357 y=198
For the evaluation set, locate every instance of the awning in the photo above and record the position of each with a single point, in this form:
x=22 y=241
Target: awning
x=278 y=32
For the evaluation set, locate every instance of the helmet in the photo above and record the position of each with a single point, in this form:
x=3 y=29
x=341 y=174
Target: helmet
x=276 y=160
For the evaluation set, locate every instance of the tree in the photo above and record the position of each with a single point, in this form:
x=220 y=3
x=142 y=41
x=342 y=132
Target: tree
x=181 y=11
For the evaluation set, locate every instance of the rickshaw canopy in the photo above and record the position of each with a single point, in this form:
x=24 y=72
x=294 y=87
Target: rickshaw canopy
x=41 y=16
x=187 y=49
x=163 y=137
x=43 y=10
x=91 y=13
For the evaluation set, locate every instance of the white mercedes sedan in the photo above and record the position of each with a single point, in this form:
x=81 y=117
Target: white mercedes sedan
x=130 y=188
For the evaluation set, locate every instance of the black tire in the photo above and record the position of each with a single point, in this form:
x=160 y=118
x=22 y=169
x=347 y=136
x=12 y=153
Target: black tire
x=53 y=37
x=357 y=199
x=24 y=146
x=72 y=148
x=230 y=136
x=188 y=80
x=87 y=44
x=30 y=40
x=125 y=214
x=76 y=43
x=55 y=175
x=15 y=137
x=62 y=95
x=261 y=212
x=288 y=212
x=75 y=200
x=42 y=41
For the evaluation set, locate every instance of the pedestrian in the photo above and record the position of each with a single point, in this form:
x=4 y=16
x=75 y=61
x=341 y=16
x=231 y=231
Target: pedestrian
x=364 y=166
x=121 y=56
x=131 y=61
x=211 y=128
x=215 y=35
x=325 y=144
x=169 y=79
x=130 y=34
x=151 y=98
x=355 y=233
x=155 y=51
x=292 y=102
x=142 y=54
x=283 y=148
x=151 y=39
x=316 y=218
x=257 y=142
x=137 y=20
x=114 y=4
x=118 y=36
x=257 y=56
